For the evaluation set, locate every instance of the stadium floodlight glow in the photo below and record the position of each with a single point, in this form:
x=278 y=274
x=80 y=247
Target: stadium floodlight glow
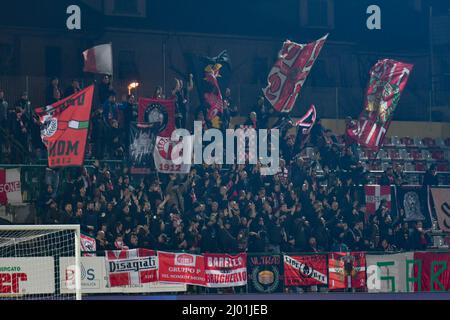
x=133 y=86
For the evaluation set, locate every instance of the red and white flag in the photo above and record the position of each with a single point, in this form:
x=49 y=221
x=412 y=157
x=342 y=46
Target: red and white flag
x=290 y=72
x=181 y=268
x=99 y=59
x=305 y=271
x=346 y=270
x=223 y=271
x=388 y=79
x=10 y=187
x=374 y=195
x=131 y=267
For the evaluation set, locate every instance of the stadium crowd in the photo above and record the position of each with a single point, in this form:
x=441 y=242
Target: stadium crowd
x=229 y=208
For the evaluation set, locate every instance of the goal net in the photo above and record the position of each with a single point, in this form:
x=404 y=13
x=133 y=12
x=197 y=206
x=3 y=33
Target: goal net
x=40 y=262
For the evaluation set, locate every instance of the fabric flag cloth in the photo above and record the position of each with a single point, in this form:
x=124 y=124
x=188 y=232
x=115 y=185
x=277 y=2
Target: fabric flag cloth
x=388 y=79
x=265 y=274
x=374 y=194
x=347 y=270
x=414 y=203
x=431 y=272
x=170 y=162
x=10 y=187
x=212 y=76
x=181 y=268
x=390 y=273
x=224 y=271
x=99 y=59
x=88 y=246
x=290 y=72
x=305 y=125
x=140 y=149
x=304 y=271
x=158 y=118
x=158 y=114
x=64 y=128
x=131 y=267
x=441 y=200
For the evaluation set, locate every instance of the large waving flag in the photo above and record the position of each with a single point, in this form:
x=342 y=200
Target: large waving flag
x=99 y=59
x=212 y=76
x=388 y=79
x=290 y=72
x=64 y=128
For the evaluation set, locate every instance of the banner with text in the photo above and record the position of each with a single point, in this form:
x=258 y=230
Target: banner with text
x=223 y=271
x=181 y=268
x=304 y=271
x=131 y=267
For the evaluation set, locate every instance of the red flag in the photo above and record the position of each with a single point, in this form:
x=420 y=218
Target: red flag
x=182 y=268
x=290 y=72
x=223 y=271
x=347 y=270
x=388 y=79
x=64 y=128
x=160 y=114
x=432 y=271
x=305 y=270
x=374 y=195
x=131 y=267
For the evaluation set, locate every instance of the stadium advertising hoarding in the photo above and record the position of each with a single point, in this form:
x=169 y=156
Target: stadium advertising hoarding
x=20 y=276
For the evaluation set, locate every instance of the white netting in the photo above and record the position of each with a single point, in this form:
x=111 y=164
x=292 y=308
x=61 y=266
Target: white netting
x=39 y=262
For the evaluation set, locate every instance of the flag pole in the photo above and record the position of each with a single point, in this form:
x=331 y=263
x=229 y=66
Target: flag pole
x=430 y=29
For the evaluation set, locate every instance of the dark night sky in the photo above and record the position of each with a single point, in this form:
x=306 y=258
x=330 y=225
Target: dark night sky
x=403 y=27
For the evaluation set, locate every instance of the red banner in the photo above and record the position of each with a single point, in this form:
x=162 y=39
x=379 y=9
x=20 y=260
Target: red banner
x=388 y=79
x=131 y=267
x=223 y=271
x=64 y=128
x=159 y=114
x=290 y=72
x=347 y=270
x=181 y=268
x=432 y=272
x=305 y=270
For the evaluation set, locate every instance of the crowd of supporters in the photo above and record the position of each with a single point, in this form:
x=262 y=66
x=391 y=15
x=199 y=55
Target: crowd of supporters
x=218 y=208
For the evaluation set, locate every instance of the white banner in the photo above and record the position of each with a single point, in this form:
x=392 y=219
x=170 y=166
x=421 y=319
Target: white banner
x=94 y=279
x=389 y=273
x=10 y=187
x=20 y=276
x=162 y=154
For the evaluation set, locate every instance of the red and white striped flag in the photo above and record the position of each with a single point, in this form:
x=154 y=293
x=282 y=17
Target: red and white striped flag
x=131 y=267
x=99 y=59
x=374 y=195
x=10 y=188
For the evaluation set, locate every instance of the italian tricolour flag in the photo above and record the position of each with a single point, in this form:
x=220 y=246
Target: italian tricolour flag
x=99 y=59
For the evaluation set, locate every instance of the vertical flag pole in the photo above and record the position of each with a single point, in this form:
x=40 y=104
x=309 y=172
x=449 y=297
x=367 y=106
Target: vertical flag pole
x=432 y=94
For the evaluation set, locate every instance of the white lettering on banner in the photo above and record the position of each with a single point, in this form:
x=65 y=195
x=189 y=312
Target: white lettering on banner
x=224 y=262
x=94 y=279
x=142 y=263
x=302 y=267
